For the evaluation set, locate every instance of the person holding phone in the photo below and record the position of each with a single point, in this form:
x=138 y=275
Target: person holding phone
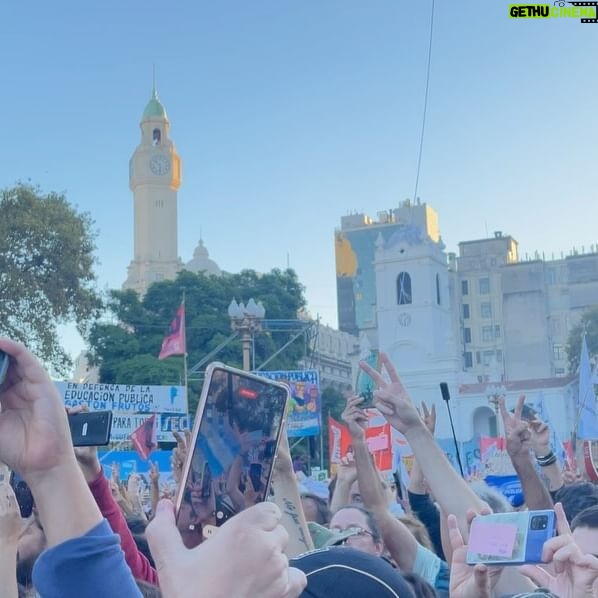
x=83 y=557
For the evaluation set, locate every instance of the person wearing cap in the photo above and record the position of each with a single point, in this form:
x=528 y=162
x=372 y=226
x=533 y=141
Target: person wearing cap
x=345 y=572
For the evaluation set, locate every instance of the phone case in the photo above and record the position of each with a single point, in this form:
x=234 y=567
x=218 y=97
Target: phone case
x=91 y=429
x=219 y=446
x=510 y=538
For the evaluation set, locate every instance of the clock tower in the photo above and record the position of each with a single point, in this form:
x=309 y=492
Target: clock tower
x=154 y=178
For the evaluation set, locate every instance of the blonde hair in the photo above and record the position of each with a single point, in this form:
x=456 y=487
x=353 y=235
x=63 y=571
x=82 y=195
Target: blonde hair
x=418 y=530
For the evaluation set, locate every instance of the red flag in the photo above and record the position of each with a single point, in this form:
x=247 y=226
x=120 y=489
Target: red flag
x=175 y=342
x=145 y=437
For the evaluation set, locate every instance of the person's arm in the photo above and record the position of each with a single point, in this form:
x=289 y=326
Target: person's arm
x=518 y=447
x=35 y=441
x=448 y=488
x=137 y=561
x=545 y=457
x=288 y=500
x=134 y=494
x=154 y=476
x=346 y=475
x=10 y=527
x=417 y=492
x=399 y=541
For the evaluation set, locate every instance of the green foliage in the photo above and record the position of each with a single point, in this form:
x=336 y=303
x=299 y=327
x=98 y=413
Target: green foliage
x=127 y=350
x=589 y=323
x=46 y=271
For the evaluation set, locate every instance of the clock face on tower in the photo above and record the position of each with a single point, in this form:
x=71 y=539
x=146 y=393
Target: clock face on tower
x=159 y=165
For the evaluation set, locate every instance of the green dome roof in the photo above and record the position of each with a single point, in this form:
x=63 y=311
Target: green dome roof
x=154 y=108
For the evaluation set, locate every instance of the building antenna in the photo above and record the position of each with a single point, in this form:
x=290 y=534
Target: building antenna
x=421 y=139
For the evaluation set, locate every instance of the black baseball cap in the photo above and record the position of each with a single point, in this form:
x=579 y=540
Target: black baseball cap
x=343 y=572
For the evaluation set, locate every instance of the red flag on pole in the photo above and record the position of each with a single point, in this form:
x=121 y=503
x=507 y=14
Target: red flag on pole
x=145 y=437
x=175 y=342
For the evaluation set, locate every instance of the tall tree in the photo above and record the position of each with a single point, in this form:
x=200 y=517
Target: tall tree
x=589 y=325
x=127 y=350
x=47 y=255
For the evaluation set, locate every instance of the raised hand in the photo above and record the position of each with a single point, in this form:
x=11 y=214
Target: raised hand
x=34 y=433
x=179 y=454
x=346 y=471
x=575 y=572
x=517 y=430
x=154 y=473
x=391 y=398
x=467 y=581
x=429 y=417
x=355 y=418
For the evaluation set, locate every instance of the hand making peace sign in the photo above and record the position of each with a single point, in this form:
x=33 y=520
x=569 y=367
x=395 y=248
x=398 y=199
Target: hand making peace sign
x=391 y=398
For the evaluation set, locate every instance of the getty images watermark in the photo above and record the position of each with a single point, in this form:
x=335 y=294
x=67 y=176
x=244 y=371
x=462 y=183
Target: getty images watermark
x=560 y=9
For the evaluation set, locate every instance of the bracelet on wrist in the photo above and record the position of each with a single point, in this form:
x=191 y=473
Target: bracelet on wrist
x=546 y=457
x=546 y=460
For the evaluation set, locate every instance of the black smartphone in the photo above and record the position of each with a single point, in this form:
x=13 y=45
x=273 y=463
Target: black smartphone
x=4 y=359
x=368 y=399
x=239 y=420
x=23 y=494
x=91 y=428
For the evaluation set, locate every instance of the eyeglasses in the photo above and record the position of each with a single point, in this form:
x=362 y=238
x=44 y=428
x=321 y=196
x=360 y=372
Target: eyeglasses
x=358 y=532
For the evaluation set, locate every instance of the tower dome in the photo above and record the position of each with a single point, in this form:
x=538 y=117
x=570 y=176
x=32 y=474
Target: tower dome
x=201 y=262
x=154 y=108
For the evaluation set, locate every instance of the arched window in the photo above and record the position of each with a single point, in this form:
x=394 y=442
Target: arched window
x=156 y=136
x=404 y=288
x=437 y=289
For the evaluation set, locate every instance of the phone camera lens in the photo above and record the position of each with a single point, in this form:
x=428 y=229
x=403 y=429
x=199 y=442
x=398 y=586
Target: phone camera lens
x=539 y=522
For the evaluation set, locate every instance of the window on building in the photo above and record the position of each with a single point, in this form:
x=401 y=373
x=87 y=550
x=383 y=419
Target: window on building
x=468 y=359
x=486 y=309
x=559 y=371
x=404 y=288
x=465 y=311
x=466 y=335
x=558 y=352
x=478 y=357
x=464 y=287
x=484 y=285
x=437 y=289
x=551 y=276
x=156 y=137
x=487 y=334
x=499 y=356
x=497 y=331
x=488 y=357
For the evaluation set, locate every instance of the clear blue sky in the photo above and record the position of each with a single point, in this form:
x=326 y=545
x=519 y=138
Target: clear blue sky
x=289 y=113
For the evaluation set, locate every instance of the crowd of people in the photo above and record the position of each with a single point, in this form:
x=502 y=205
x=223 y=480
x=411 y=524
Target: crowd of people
x=88 y=537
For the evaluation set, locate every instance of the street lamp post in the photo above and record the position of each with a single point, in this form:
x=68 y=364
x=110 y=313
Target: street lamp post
x=493 y=393
x=246 y=320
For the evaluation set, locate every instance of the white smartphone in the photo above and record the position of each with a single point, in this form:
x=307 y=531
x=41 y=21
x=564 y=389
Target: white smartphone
x=510 y=538
x=233 y=446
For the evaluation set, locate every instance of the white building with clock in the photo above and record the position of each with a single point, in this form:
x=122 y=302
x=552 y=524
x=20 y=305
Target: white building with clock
x=154 y=178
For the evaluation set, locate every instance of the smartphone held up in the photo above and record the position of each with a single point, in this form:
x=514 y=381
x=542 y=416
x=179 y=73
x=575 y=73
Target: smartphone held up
x=512 y=538
x=233 y=446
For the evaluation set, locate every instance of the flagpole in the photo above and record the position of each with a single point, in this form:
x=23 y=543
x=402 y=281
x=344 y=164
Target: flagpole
x=185 y=354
